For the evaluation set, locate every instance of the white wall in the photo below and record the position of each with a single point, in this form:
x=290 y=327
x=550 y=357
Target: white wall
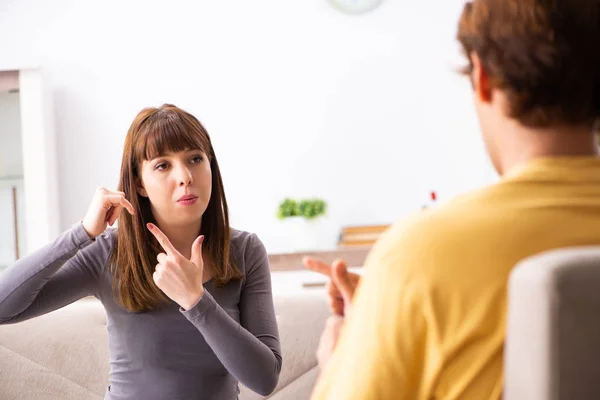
x=300 y=100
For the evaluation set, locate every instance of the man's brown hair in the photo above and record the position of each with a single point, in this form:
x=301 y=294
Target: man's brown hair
x=543 y=54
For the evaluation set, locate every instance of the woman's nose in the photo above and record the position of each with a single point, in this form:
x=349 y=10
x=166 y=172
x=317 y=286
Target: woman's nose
x=185 y=177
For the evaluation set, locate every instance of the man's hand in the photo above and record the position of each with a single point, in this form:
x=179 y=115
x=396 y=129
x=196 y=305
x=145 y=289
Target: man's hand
x=329 y=339
x=341 y=286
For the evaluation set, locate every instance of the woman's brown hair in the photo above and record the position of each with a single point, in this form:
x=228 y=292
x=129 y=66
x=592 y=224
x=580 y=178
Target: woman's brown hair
x=154 y=132
x=543 y=54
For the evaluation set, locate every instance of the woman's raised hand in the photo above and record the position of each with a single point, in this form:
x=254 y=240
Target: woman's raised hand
x=104 y=210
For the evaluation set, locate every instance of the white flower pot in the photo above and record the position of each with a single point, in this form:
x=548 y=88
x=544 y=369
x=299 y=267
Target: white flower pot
x=301 y=234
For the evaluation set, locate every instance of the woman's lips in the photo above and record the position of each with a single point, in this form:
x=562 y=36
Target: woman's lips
x=187 y=200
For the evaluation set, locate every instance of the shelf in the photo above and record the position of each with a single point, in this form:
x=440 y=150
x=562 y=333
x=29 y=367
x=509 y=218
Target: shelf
x=10 y=180
x=354 y=256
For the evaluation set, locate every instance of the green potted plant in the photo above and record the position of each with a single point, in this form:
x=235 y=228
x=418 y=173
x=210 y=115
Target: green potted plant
x=307 y=208
x=304 y=224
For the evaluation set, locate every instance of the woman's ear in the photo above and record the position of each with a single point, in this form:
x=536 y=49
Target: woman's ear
x=140 y=189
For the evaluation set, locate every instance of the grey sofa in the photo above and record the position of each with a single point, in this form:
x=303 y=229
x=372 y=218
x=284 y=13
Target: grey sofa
x=64 y=355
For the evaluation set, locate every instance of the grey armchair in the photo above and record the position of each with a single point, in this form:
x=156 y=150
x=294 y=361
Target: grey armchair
x=553 y=335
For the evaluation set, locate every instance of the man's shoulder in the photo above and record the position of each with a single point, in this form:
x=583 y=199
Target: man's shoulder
x=437 y=233
x=461 y=214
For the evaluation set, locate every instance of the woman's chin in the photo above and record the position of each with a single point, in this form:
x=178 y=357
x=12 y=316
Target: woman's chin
x=189 y=214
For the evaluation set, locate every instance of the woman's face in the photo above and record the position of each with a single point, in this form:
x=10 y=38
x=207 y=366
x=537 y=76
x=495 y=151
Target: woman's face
x=178 y=186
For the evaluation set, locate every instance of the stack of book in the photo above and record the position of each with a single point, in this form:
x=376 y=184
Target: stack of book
x=352 y=236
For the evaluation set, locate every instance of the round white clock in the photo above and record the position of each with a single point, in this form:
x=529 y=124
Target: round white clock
x=355 y=6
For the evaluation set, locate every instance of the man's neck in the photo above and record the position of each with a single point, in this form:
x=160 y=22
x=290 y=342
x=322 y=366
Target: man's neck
x=524 y=144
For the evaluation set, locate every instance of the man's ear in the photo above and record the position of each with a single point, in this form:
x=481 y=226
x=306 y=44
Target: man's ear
x=140 y=189
x=480 y=79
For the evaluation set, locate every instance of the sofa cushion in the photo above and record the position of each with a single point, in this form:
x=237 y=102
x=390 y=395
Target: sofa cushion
x=301 y=318
x=62 y=355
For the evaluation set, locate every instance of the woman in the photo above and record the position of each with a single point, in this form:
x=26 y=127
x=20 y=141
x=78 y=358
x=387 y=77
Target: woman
x=188 y=299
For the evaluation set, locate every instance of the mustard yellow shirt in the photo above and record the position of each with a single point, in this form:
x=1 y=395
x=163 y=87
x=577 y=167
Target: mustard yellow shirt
x=429 y=316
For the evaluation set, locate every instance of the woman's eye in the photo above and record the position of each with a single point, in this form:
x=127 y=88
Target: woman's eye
x=161 y=166
x=197 y=159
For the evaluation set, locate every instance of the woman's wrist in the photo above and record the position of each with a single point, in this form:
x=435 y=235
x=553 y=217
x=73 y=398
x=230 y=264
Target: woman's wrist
x=193 y=301
x=92 y=237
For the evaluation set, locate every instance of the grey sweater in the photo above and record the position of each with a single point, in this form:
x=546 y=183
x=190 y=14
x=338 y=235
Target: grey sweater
x=165 y=354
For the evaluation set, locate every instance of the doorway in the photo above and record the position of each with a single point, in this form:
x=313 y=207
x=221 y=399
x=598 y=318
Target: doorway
x=29 y=209
x=12 y=204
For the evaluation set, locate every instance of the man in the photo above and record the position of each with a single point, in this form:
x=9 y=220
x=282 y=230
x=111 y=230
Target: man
x=428 y=318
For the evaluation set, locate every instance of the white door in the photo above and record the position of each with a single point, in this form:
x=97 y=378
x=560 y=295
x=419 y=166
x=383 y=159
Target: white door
x=39 y=160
